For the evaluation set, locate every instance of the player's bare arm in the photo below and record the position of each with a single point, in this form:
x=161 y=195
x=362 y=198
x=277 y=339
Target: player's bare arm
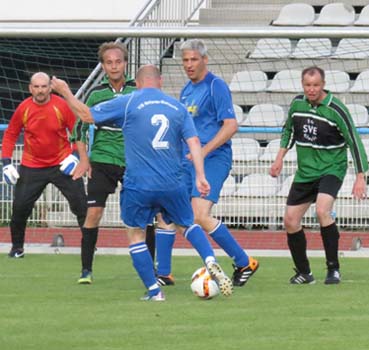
x=79 y=108
x=359 y=187
x=83 y=166
x=228 y=129
x=277 y=165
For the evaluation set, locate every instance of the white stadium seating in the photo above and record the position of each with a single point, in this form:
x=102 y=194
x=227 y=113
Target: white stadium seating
x=265 y=114
x=295 y=15
x=288 y=80
x=272 y=48
x=313 y=48
x=350 y=48
x=249 y=81
x=337 y=81
x=361 y=83
x=336 y=14
x=359 y=114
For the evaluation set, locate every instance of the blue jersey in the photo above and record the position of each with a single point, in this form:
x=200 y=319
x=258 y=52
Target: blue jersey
x=209 y=102
x=154 y=128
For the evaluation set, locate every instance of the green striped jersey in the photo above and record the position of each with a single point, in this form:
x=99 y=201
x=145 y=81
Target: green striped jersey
x=322 y=135
x=108 y=145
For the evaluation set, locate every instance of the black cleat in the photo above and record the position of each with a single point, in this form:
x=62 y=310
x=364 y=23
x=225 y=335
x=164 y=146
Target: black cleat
x=242 y=274
x=302 y=278
x=165 y=280
x=333 y=277
x=16 y=253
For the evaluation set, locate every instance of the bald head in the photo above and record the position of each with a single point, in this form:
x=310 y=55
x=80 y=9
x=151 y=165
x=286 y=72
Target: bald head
x=40 y=88
x=40 y=76
x=148 y=76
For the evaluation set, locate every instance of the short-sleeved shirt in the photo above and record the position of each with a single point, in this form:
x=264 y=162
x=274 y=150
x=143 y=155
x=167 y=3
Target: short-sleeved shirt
x=209 y=102
x=107 y=140
x=154 y=127
x=322 y=134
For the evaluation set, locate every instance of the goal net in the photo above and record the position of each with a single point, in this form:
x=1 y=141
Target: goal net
x=263 y=73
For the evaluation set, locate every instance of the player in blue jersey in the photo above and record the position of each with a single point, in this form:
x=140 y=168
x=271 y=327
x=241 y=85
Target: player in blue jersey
x=208 y=99
x=154 y=127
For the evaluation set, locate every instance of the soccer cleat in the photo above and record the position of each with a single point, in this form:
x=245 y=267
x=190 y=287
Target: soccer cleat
x=16 y=253
x=333 y=277
x=242 y=274
x=223 y=281
x=165 y=280
x=158 y=297
x=86 y=277
x=302 y=278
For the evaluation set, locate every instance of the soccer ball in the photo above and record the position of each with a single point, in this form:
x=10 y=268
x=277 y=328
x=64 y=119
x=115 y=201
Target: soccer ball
x=203 y=285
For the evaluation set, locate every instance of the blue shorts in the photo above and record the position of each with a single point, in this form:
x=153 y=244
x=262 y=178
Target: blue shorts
x=217 y=167
x=138 y=208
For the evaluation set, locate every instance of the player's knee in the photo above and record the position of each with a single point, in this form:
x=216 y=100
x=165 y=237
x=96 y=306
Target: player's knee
x=291 y=223
x=322 y=214
x=94 y=216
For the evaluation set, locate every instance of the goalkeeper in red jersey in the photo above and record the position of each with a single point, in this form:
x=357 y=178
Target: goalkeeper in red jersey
x=47 y=157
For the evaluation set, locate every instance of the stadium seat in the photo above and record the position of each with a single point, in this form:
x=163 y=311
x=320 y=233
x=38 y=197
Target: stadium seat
x=346 y=188
x=272 y=48
x=359 y=114
x=265 y=115
x=336 y=14
x=245 y=149
x=313 y=48
x=287 y=80
x=257 y=185
x=352 y=49
x=239 y=114
x=249 y=81
x=361 y=83
x=363 y=19
x=286 y=185
x=229 y=187
x=295 y=15
x=271 y=150
x=337 y=81
x=246 y=153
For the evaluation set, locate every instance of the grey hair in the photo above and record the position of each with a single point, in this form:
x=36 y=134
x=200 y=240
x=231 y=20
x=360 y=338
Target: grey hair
x=194 y=45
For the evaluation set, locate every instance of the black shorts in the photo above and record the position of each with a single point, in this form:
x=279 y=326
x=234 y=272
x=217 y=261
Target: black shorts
x=104 y=180
x=308 y=191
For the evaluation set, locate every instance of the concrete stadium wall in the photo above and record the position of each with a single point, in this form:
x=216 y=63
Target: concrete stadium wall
x=70 y=10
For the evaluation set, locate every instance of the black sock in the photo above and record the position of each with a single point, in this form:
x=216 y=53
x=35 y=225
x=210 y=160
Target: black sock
x=297 y=244
x=330 y=237
x=150 y=240
x=88 y=244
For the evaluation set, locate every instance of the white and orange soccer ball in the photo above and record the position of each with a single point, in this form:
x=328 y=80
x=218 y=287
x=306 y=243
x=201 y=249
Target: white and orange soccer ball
x=203 y=285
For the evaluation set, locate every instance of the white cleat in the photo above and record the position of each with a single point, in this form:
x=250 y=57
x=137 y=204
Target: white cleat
x=224 y=282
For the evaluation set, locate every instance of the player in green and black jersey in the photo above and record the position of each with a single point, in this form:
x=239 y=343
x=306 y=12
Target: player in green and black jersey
x=106 y=164
x=322 y=129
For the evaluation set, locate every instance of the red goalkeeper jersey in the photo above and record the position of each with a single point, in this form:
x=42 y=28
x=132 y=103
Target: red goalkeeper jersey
x=45 y=128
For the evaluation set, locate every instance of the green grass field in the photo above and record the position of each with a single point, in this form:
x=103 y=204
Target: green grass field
x=42 y=307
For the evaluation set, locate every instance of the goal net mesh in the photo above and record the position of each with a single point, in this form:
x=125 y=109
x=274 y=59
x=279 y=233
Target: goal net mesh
x=263 y=74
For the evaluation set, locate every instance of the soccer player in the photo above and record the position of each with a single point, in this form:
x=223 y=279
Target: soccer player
x=154 y=127
x=208 y=100
x=322 y=129
x=47 y=157
x=106 y=164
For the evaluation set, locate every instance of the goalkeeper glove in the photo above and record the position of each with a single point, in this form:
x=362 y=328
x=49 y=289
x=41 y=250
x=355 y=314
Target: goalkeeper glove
x=10 y=173
x=69 y=164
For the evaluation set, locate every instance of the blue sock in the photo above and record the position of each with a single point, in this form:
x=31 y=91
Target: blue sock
x=197 y=237
x=164 y=241
x=144 y=266
x=225 y=240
